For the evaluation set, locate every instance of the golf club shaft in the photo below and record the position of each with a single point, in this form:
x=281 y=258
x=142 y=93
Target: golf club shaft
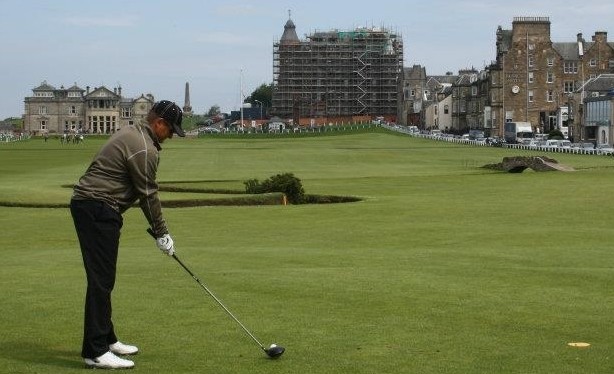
x=218 y=301
x=150 y=231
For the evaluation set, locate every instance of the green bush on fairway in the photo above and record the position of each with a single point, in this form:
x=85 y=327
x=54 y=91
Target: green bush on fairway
x=285 y=183
x=443 y=267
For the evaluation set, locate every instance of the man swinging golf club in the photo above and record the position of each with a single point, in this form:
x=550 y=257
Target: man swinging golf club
x=123 y=172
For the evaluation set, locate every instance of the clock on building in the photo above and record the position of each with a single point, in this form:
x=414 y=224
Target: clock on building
x=515 y=89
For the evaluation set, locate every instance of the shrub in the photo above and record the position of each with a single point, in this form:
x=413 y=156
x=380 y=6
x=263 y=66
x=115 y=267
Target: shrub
x=555 y=134
x=285 y=183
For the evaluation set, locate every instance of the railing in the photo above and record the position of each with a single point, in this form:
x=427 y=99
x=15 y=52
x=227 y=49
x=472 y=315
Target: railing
x=490 y=143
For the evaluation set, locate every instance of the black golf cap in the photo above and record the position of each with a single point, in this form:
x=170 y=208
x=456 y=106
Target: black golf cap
x=171 y=113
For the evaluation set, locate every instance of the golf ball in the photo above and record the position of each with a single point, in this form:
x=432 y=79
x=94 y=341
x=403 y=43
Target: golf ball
x=273 y=345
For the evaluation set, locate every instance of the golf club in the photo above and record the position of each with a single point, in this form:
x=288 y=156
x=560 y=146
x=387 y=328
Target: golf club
x=274 y=350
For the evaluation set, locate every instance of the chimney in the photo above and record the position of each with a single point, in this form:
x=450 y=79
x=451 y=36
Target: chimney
x=579 y=38
x=600 y=36
x=87 y=90
x=119 y=90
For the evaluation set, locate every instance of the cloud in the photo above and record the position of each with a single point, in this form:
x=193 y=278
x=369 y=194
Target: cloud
x=121 y=21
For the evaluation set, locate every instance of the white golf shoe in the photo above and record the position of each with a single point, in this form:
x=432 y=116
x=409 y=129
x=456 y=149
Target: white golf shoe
x=109 y=361
x=120 y=348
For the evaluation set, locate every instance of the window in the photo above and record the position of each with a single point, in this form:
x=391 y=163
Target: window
x=569 y=86
x=531 y=77
x=126 y=112
x=43 y=125
x=550 y=77
x=550 y=61
x=531 y=61
x=72 y=110
x=42 y=109
x=550 y=96
x=74 y=94
x=446 y=109
x=570 y=67
x=530 y=96
x=593 y=62
x=93 y=120
x=474 y=91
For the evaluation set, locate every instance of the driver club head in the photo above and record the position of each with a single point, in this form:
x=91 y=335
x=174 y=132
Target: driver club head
x=274 y=351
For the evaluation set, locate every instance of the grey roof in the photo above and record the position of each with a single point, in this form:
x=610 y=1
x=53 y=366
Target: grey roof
x=444 y=78
x=101 y=88
x=289 y=36
x=568 y=51
x=75 y=88
x=601 y=83
x=44 y=87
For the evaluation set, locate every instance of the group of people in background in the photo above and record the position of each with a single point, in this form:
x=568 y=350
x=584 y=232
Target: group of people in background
x=6 y=137
x=67 y=138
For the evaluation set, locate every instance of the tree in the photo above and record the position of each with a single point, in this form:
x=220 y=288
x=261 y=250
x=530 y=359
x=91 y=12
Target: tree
x=214 y=111
x=262 y=94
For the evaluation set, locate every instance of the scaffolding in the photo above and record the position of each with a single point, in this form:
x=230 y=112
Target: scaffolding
x=338 y=73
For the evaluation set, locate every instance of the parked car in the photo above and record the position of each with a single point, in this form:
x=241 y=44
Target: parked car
x=535 y=143
x=605 y=149
x=551 y=144
x=565 y=144
x=436 y=133
x=208 y=130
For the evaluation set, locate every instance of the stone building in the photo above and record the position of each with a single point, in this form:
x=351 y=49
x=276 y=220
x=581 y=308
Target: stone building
x=99 y=111
x=533 y=78
x=419 y=92
x=412 y=100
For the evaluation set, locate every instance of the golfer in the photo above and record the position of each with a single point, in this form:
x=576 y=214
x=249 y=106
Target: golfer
x=123 y=172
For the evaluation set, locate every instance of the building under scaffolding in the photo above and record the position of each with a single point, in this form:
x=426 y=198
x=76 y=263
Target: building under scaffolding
x=337 y=73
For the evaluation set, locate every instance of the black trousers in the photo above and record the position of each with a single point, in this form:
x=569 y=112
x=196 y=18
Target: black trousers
x=98 y=228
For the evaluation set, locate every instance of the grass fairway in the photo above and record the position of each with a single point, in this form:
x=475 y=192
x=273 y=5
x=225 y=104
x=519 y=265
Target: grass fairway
x=444 y=267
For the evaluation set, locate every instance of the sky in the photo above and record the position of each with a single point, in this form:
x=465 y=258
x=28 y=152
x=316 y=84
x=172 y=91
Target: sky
x=225 y=47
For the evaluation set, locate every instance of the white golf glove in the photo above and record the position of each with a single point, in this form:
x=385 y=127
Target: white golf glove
x=165 y=244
